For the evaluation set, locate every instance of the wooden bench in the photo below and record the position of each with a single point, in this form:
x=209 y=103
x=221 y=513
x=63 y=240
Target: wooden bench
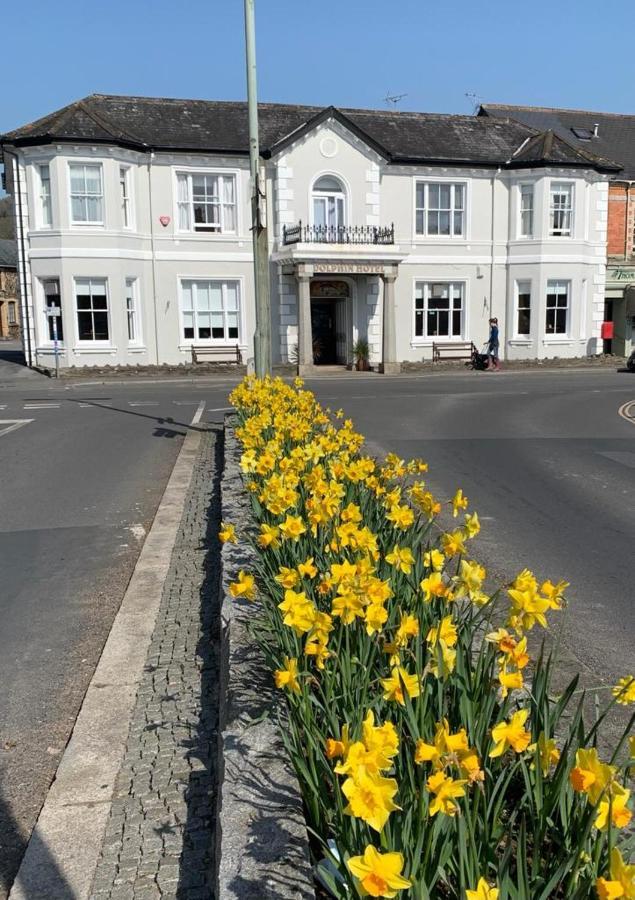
x=452 y=350
x=211 y=353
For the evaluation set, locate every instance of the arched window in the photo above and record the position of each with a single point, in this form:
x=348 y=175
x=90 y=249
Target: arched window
x=329 y=202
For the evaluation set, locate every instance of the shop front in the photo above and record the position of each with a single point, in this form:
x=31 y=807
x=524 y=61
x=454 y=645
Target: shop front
x=620 y=308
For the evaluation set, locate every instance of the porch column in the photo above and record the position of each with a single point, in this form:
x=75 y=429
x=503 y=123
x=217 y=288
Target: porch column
x=305 y=334
x=389 y=364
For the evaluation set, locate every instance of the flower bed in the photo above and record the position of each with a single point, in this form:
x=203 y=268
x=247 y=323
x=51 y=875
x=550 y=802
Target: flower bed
x=431 y=765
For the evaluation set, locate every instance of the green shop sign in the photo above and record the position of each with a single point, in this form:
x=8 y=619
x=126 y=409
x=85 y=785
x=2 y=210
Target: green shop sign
x=621 y=274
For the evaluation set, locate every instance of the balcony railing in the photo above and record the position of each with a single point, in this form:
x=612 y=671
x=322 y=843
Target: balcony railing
x=337 y=234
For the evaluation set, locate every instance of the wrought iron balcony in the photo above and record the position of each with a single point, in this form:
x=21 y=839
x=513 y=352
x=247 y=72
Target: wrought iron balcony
x=337 y=234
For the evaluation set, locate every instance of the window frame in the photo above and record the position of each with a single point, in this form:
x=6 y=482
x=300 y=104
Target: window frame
x=425 y=339
x=186 y=343
x=338 y=196
x=12 y=316
x=522 y=234
x=126 y=200
x=519 y=335
x=93 y=223
x=558 y=335
x=42 y=200
x=453 y=183
x=552 y=210
x=221 y=233
x=131 y=290
x=96 y=342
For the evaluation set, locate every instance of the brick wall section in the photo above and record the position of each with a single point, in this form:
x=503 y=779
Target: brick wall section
x=621 y=223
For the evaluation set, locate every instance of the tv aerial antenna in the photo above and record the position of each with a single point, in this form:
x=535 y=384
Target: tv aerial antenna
x=475 y=99
x=394 y=99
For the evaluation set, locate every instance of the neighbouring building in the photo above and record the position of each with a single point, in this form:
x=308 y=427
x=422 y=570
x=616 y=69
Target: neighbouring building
x=402 y=228
x=9 y=304
x=611 y=135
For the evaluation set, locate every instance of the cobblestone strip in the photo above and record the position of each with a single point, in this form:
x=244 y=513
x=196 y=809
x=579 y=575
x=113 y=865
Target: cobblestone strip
x=159 y=841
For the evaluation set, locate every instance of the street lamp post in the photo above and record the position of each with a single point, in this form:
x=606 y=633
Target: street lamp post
x=262 y=335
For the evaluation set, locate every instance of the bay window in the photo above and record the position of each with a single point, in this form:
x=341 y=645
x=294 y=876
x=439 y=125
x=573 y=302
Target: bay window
x=210 y=310
x=206 y=202
x=91 y=298
x=439 y=309
x=440 y=209
x=523 y=308
x=52 y=298
x=561 y=209
x=526 y=229
x=557 y=312
x=46 y=214
x=87 y=194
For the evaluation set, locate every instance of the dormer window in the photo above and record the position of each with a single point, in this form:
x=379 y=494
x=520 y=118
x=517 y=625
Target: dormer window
x=329 y=203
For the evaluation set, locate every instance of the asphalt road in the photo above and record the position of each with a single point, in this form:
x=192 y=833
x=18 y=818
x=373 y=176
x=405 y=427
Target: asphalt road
x=544 y=458
x=80 y=480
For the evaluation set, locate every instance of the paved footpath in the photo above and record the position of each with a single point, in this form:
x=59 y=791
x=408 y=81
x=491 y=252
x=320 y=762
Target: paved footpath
x=159 y=840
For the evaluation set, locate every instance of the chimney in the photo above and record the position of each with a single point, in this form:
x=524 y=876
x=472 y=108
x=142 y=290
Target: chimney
x=595 y=129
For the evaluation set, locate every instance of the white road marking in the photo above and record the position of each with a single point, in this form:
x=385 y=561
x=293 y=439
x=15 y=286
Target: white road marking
x=12 y=425
x=198 y=413
x=138 y=531
x=221 y=409
x=627 y=411
x=42 y=405
x=3 y=405
x=185 y=402
x=143 y=403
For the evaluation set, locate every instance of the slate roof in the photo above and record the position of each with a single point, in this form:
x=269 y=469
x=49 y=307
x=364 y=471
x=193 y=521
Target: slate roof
x=616 y=132
x=222 y=127
x=8 y=254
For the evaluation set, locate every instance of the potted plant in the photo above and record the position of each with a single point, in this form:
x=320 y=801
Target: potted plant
x=361 y=354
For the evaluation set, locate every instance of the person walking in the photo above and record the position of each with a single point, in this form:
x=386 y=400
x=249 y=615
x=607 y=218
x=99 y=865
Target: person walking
x=492 y=345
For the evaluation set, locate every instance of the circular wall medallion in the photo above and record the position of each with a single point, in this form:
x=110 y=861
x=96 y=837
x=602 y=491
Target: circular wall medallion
x=328 y=147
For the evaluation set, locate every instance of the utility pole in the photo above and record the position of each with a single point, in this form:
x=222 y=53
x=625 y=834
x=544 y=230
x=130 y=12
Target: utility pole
x=262 y=336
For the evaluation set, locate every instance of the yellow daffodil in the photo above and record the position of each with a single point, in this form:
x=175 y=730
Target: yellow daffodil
x=452 y=543
x=307 y=569
x=483 y=892
x=434 y=586
x=401 y=517
x=288 y=578
x=379 y=874
x=547 y=753
x=288 y=676
x=370 y=797
x=459 y=501
x=446 y=631
x=227 y=534
x=617 y=804
x=299 y=612
x=269 y=537
x=335 y=747
x=624 y=690
x=244 y=587
x=433 y=559
x=509 y=681
x=472 y=525
x=511 y=734
x=399 y=681
x=292 y=528
x=446 y=790
x=622 y=881
x=401 y=558
x=590 y=775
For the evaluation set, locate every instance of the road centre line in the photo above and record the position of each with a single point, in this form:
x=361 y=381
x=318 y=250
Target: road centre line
x=626 y=412
x=221 y=409
x=143 y=403
x=42 y=406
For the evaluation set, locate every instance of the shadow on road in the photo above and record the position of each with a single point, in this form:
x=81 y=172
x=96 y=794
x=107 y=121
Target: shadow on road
x=13 y=845
x=162 y=421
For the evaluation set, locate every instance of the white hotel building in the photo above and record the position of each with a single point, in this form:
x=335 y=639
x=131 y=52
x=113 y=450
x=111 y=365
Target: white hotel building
x=133 y=215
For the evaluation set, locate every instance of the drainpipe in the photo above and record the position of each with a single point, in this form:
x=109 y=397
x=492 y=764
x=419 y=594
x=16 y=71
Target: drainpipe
x=27 y=318
x=154 y=272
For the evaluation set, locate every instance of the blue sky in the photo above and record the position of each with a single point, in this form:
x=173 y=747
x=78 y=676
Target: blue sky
x=344 y=52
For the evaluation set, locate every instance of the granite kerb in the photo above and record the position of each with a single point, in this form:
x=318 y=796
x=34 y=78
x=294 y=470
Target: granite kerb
x=262 y=841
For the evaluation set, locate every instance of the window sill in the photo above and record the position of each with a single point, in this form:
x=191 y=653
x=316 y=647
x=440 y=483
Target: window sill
x=187 y=346
x=556 y=341
x=94 y=348
x=438 y=238
x=88 y=225
x=208 y=236
x=520 y=342
x=137 y=348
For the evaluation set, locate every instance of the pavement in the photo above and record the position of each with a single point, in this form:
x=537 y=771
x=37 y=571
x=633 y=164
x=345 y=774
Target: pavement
x=545 y=458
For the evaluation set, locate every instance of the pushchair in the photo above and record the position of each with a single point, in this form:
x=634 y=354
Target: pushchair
x=480 y=361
